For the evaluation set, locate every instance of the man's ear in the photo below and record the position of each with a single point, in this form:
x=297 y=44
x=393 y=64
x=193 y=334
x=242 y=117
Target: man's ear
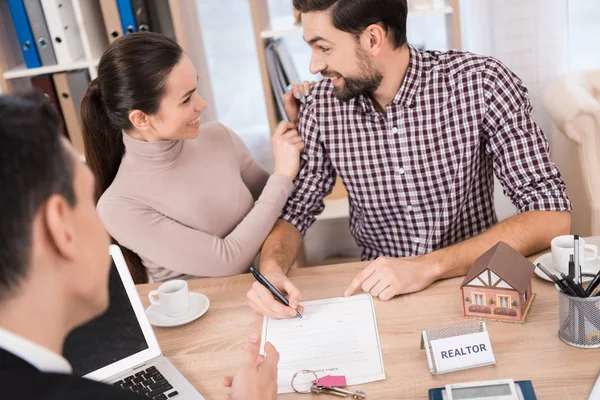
x=58 y=218
x=373 y=39
x=139 y=120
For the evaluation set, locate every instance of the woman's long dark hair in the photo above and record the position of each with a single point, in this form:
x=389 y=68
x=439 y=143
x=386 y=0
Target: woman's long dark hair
x=132 y=75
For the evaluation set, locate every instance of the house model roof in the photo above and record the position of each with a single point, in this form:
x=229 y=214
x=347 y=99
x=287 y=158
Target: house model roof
x=505 y=262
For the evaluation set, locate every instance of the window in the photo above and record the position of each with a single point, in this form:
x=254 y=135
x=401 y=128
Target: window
x=503 y=301
x=479 y=299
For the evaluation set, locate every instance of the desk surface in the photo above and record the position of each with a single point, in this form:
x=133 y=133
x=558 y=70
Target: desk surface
x=210 y=347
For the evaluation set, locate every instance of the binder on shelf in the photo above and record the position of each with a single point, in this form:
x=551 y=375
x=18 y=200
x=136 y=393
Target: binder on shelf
x=62 y=25
x=69 y=90
x=285 y=58
x=91 y=28
x=127 y=18
x=43 y=41
x=24 y=33
x=44 y=84
x=112 y=20
x=140 y=13
x=160 y=18
x=281 y=73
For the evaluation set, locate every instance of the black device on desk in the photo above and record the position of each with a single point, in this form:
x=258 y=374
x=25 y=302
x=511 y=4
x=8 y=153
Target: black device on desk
x=505 y=389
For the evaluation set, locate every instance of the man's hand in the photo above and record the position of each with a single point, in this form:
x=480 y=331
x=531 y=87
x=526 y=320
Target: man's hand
x=387 y=277
x=263 y=302
x=257 y=377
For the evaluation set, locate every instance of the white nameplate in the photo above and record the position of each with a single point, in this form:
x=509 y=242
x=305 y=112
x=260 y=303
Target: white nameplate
x=462 y=352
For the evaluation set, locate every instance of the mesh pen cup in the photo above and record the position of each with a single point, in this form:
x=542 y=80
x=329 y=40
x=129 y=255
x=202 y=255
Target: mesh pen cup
x=579 y=321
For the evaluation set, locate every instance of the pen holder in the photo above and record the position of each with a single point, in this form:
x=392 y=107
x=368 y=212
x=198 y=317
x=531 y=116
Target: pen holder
x=579 y=321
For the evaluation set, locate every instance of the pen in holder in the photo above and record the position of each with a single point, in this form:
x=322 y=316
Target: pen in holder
x=579 y=319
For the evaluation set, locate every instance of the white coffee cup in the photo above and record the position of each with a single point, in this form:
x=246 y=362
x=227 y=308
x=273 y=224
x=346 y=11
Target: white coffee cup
x=562 y=248
x=173 y=297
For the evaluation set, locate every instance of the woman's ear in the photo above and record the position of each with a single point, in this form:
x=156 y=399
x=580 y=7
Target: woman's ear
x=139 y=119
x=58 y=219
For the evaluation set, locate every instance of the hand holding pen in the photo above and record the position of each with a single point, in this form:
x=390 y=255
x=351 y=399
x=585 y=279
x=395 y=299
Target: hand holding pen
x=266 y=298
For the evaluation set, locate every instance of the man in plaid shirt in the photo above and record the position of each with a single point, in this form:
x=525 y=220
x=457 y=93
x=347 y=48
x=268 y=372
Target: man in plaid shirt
x=416 y=137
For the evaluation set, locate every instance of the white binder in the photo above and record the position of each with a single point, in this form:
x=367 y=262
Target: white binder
x=62 y=24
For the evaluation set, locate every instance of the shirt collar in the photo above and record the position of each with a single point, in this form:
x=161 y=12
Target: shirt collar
x=143 y=155
x=409 y=87
x=40 y=357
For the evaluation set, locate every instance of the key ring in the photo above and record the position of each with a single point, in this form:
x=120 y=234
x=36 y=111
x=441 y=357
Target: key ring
x=304 y=371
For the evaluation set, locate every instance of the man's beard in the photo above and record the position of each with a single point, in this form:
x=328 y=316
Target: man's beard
x=355 y=86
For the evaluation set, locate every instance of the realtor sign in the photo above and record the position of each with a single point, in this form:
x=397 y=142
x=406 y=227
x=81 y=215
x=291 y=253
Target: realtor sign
x=462 y=352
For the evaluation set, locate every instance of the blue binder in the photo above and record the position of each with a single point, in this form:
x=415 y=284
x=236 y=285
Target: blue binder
x=525 y=391
x=24 y=33
x=127 y=17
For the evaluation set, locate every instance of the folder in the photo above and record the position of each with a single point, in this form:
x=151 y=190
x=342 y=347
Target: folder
x=277 y=77
x=68 y=87
x=140 y=13
x=161 y=21
x=43 y=41
x=287 y=63
x=112 y=20
x=127 y=18
x=24 y=33
x=62 y=25
x=44 y=84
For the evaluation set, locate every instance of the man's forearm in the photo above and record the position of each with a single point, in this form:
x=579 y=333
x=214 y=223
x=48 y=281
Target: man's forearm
x=527 y=233
x=281 y=247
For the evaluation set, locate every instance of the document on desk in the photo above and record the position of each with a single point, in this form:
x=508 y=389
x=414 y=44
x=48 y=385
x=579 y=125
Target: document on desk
x=336 y=336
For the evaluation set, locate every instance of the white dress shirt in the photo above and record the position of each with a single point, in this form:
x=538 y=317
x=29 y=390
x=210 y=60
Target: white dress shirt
x=40 y=357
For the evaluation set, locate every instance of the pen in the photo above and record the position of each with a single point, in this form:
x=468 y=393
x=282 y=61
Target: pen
x=263 y=281
x=593 y=285
x=576 y=259
x=575 y=287
x=571 y=267
x=553 y=277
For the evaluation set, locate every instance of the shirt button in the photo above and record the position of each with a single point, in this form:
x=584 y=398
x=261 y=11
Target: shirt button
x=417 y=240
x=394 y=130
x=400 y=171
x=409 y=208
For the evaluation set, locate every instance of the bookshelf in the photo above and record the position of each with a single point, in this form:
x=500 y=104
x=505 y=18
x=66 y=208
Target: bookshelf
x=266 y=28
x=14 y=75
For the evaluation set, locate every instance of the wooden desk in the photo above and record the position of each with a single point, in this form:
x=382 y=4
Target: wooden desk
x=210 y=347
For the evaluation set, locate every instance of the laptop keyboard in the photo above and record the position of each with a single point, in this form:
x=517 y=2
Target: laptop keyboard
x=149 y=382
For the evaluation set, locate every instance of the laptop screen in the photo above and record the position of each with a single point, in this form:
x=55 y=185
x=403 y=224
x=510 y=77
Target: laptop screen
x=111 y=337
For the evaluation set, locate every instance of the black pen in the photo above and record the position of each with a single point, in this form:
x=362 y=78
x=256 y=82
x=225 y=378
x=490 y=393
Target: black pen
x=571 y=267
x=263 y=281
x=559 y=282
x=575 y=287
x=593 y=285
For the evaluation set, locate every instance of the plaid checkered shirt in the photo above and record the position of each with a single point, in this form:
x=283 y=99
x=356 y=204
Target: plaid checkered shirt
x=421 y=177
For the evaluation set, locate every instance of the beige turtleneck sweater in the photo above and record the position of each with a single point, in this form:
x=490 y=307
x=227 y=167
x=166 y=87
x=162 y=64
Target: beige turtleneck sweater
x=197 y=207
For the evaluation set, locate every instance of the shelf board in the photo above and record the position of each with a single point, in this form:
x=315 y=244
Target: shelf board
x=21 y=71
x=285 y=25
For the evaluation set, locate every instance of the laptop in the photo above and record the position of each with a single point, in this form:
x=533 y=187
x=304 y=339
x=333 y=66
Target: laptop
x=119 y=346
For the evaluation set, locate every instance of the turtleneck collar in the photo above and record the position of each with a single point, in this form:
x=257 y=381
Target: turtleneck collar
x=144 y=155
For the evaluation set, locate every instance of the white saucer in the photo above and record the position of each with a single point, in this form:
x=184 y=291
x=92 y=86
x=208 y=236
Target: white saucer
x=199 y=304
x=588 y=267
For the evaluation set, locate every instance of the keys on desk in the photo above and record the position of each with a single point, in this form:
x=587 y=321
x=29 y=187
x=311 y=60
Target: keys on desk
x=357 y=394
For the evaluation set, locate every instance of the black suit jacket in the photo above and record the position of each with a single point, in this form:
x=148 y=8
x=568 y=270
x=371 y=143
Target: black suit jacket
x=21 y=380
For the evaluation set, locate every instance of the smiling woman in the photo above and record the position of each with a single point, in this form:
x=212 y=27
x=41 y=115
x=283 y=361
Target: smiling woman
x=181 y=199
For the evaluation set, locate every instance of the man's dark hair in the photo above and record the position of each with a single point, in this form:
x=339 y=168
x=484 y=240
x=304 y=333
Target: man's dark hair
x=354 y=16
x=34 y=165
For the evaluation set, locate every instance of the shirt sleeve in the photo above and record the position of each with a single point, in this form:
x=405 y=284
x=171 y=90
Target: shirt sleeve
x=520 y=151
x=177 y=247
x=253 y=174
x=316 y=177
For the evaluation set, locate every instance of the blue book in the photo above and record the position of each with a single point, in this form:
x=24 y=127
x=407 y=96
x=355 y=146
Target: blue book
x=127 y=17
x=24 y=33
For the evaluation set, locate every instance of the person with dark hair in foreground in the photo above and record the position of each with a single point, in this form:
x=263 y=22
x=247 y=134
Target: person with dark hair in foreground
x=417 y=138
x=54 y=264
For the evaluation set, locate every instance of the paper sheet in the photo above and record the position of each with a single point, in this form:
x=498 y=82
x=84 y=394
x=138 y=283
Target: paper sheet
x=336 y=336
